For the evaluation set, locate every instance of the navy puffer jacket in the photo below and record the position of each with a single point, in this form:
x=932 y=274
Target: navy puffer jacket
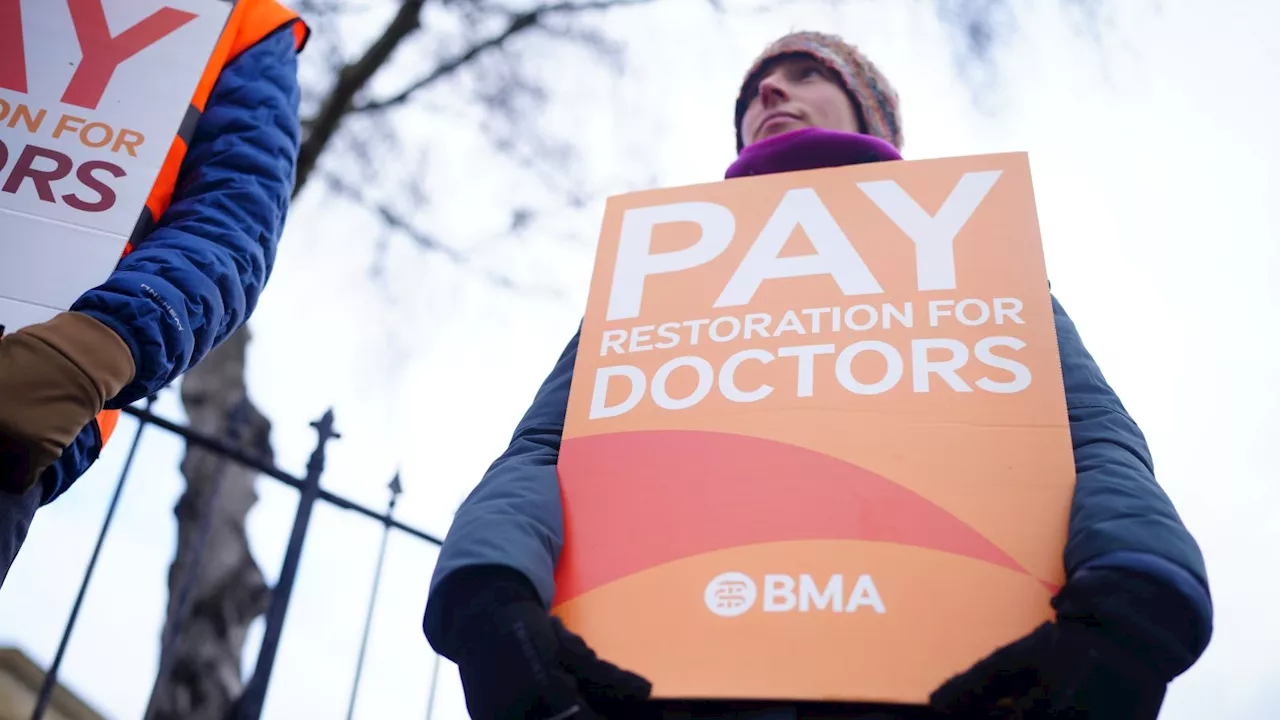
x=196 y=278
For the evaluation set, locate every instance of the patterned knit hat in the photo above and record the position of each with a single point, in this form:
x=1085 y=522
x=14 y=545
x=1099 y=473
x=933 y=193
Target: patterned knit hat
x=874 y=100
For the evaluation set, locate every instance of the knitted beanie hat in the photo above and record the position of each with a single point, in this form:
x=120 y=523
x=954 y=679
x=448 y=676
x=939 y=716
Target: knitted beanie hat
x=874 y=100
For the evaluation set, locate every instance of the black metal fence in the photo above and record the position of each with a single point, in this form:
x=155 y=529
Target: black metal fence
x=249 y=705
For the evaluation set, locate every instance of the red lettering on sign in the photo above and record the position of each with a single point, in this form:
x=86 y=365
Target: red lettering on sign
x=88 y=173
x=106 y=196
x=13 y=59
x=43 y=179
x=102 y=53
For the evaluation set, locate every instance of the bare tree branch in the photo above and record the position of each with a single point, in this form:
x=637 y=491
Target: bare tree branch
x=350 y=81
x=311 y=9
x=393 y=220
x=518 y=23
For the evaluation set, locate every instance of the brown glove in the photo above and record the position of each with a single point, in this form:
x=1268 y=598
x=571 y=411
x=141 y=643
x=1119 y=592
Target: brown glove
x=55 y=377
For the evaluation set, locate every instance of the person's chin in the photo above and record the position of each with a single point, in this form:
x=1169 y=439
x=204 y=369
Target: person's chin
x=780 y=127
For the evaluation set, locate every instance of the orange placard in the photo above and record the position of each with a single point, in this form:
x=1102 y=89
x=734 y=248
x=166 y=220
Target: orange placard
x=817 y=444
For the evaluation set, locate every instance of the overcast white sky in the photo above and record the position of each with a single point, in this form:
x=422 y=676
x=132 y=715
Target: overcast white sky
x=1155 y=161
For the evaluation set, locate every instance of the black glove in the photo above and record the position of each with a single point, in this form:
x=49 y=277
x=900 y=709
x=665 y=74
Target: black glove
x=517 y=662
x=1120 y=637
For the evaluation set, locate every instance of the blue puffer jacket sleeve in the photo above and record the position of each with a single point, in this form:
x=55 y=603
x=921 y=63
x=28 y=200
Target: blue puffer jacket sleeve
x=514 y=517
x=197 y=276
x=1120 y=518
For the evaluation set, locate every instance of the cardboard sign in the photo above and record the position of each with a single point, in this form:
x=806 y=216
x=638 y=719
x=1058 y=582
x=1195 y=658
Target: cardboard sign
x=92 y=93
x=817 y=441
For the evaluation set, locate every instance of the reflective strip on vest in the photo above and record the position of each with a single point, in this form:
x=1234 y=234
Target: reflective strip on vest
x=249 y=23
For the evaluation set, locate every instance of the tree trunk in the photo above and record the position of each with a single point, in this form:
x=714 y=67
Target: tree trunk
x=215 y=588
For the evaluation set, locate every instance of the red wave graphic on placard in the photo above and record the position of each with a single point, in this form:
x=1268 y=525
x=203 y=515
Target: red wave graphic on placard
x=664 y=486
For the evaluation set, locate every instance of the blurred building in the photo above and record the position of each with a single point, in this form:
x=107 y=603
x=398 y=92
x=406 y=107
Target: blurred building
x=20 y=681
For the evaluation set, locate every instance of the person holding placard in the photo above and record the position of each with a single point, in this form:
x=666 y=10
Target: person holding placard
x=193 y=270
x=1135 y=609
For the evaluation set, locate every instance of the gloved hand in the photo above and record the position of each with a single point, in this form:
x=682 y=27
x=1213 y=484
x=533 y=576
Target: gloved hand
x=54 y=378
x=517 y=662
x=1120 y=637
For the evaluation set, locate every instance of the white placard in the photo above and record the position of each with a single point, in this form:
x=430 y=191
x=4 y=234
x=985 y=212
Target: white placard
x=92 y=93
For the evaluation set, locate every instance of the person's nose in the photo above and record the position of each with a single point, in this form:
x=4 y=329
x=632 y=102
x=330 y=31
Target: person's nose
x=773 y=90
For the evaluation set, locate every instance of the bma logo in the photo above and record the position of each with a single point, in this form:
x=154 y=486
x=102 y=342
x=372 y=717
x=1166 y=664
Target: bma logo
x=730 y=594
x=733 y=593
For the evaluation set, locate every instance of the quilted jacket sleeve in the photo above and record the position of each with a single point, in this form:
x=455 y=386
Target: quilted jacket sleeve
x=197 y=276
x=1120 y=517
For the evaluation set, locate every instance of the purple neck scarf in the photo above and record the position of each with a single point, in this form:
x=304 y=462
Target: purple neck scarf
x=809 y=149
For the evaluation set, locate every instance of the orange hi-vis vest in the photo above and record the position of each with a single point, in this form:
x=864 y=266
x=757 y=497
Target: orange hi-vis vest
x=250 y=21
